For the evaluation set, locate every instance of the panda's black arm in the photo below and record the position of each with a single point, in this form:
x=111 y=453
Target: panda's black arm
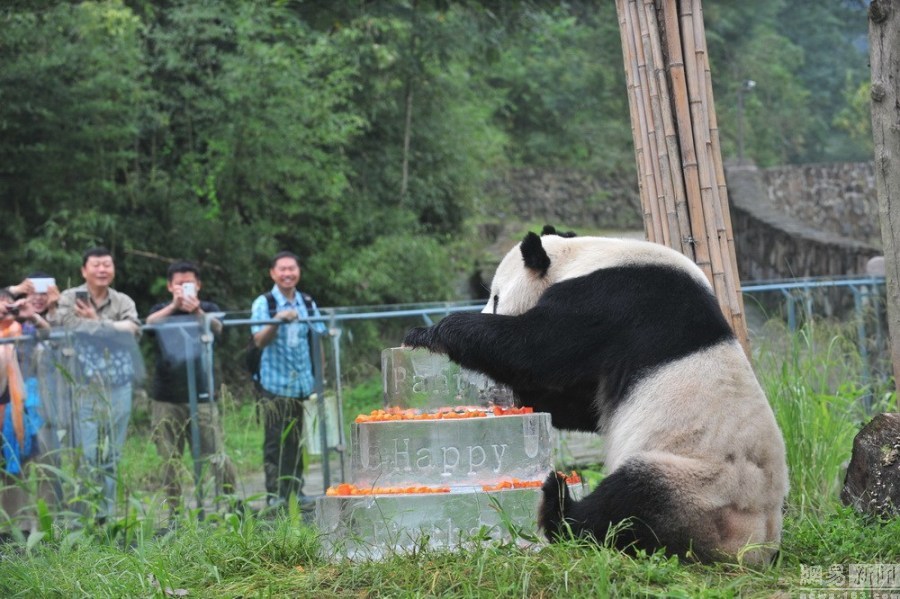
x=515 y=350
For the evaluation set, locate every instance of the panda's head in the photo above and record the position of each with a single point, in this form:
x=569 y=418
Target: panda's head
x=540 y=261
x=526 y=272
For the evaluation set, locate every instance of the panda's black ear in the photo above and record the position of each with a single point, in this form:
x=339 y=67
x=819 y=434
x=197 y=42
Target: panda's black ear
x=551 y=230
x=534 y=255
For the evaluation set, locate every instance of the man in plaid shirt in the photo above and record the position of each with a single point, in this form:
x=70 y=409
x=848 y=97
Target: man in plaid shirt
x=285 y=375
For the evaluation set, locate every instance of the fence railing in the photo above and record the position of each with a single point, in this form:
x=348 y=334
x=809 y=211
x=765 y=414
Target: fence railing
x=865 y=292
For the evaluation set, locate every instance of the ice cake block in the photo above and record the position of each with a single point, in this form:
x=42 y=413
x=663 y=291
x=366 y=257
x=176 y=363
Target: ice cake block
x=417 y=378
x=449 y=461
x=376 y=526
x=464 y=451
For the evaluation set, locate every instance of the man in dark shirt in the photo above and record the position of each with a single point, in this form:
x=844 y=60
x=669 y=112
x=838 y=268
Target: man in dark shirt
x=180 y=323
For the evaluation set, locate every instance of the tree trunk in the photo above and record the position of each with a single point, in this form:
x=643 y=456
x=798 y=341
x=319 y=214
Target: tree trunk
x=884 y=49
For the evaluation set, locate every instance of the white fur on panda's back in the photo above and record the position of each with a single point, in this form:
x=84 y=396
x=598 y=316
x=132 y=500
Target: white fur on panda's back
x=578 y=256
x=571 y=257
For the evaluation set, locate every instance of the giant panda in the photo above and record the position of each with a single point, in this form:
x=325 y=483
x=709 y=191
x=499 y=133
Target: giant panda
x=625 y=338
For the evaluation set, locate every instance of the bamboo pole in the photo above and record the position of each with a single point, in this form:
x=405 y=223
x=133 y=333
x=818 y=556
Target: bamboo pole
x=736 y=299
x=730 y=282
x=677 y=146
x=700 y=133
x=689 y=165
x=676 y=199
x=635 y=105
x=657 y=94
x=647 y=168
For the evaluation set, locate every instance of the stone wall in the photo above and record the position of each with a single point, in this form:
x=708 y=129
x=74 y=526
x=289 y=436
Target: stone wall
x=569 y=198
x=790 y=221
x=839 y=197
x=772 y=244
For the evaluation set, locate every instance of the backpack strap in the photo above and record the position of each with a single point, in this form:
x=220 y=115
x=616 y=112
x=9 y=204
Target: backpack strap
x=270 y=299
x=273 y=308
x=308 y=301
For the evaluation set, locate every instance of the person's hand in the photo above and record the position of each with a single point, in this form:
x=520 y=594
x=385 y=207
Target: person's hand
x=126 y=326
x=26 y=287
x=26 y=309
x=184 y=303
x=21 y=309
x=190 y=304
x=85 y=310
x=288 y=315
x=52 y=296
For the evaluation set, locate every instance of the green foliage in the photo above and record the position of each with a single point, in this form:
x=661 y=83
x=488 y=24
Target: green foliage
x=425 y=113
x=224 y=131
x=841 y=536
x=419 y=270
x=561 y=70
x=71 y=92
x=256 y=557
x=802 y=56
x=251 y=119
x=815 y=385
x=362 y=398
x=855 y=118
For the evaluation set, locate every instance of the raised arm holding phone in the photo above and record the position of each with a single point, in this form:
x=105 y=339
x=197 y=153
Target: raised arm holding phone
x=170 y=409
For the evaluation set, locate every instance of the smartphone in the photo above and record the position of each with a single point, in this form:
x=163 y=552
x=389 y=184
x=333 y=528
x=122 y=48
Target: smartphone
x=82 y=296
x=42 y=284
x=189 y=290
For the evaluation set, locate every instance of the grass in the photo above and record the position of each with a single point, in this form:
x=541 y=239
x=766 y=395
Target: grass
x=140 y=466
x=811 y=379
x=260 y=558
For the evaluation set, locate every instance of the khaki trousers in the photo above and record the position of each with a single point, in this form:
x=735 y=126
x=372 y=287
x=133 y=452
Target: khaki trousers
x=172 y=433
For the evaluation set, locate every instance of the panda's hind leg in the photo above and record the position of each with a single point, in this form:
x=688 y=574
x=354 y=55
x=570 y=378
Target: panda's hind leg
x=633 y=494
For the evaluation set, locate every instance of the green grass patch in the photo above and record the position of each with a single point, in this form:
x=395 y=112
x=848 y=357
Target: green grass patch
x=813 y=380
x=226 y=557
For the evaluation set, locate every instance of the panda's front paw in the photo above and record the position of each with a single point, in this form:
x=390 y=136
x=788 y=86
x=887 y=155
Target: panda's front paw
x=421 y=337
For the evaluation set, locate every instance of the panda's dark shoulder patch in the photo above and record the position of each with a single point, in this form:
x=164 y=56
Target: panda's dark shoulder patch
x=633 y=318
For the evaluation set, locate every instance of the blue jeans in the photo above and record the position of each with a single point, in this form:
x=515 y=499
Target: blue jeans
x=101 y=421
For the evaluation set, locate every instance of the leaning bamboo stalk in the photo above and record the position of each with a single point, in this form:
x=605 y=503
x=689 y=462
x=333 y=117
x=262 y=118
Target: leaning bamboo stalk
x=689 y=163
x=645 y=114
x=676 y=200
x=677 y=146
x=664 y=188
x=721 y=216
x=734 y=284
x=646 y=186
x=700 y=130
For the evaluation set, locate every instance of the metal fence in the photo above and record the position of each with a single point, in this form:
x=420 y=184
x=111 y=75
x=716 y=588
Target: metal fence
x=798 y=299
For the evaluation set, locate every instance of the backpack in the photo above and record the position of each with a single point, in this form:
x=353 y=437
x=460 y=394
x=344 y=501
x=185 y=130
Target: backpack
x=253 y=354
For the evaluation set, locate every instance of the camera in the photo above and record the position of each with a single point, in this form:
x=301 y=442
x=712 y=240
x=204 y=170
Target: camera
x=12 y=310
